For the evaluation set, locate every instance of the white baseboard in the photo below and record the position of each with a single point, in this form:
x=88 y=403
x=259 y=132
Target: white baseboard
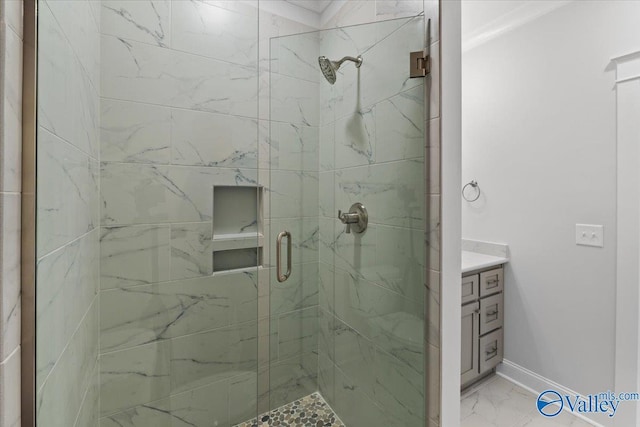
x=537 y=384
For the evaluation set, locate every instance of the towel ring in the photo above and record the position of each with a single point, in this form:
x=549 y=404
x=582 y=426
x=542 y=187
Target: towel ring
x=475 y=185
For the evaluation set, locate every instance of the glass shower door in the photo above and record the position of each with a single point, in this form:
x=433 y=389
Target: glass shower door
x=346 y=328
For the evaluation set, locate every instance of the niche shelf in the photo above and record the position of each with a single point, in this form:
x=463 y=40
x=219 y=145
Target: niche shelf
x=238 y=239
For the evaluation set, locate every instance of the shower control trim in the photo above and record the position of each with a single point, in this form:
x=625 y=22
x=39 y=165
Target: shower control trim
x=356 y=219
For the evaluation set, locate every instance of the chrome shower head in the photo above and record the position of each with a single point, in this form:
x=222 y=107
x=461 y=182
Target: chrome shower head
x=329 y=68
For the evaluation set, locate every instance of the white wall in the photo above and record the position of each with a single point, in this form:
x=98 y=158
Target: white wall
x=539 y=135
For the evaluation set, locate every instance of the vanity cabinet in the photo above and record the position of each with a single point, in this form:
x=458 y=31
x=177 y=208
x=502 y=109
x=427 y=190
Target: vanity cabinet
x=482 y=322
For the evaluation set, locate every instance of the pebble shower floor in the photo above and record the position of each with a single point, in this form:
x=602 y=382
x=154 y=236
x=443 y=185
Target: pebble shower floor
x=309 y=411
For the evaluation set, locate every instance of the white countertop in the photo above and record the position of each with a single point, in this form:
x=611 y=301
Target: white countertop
x=472 y=261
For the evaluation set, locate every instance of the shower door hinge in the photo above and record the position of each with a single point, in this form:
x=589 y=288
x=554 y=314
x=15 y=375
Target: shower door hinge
x=420 y=64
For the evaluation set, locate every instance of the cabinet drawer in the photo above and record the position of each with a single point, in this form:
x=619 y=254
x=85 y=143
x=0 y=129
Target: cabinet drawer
x=491 y=350
x=491 y=282
x=491 y=313
x=470 y=288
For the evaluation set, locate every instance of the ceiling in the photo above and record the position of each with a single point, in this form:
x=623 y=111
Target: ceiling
x=317 y=6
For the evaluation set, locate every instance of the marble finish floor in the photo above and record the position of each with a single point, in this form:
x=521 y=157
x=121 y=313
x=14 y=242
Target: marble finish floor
x=309 y=411
x=497 y=402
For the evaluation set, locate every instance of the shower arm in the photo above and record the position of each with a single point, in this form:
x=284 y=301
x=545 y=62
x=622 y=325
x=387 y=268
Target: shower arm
x=357 y=60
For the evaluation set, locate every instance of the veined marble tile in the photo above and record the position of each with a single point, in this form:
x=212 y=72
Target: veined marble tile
x=200 y=407
x=144 y=314
x=205 y=139
x=10 y=390
x=147 y=193
x=297 y=56
x=11 y=132
x=300 y=291
x=77 y=22
x=136 y=71
x=354 y=12
x=68 y=204
x=326 y=203
x=298 y=332
x=327 y=147
x=326 y=287
x=67 y=283
x=387 y=9
x=243 y=397
x=191 y=250
x=294 y=100
x=293 y=378
x=90 y=407
x=134 y=255
x=146 y=21
x=134 y=376
x=212 y=356
x=380 y=75
x=13 y=15
x=134 y=133
x=392 y=192
x=354 y=407
x=60 y=397
x=293 y=194
x=206 y=29
x=327 y=239
x=394 y=323
x=355 y=139
x=400 y=126
x=294 y=147
x=10 y=307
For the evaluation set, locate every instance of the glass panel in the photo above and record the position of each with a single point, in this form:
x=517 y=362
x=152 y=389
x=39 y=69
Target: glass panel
x=144 y=108
x=348 y=324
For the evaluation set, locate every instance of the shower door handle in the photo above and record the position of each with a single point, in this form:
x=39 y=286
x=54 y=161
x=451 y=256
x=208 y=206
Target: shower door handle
x=285 y=276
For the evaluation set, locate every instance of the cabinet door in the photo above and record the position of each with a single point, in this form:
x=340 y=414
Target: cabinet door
x=470 y=289
x=470 y=331
x=491 y=282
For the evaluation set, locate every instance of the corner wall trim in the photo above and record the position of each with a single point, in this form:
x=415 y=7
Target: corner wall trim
x=536 y=384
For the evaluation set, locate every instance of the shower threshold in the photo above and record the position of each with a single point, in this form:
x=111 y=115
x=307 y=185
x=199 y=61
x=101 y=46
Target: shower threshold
x=308 y=411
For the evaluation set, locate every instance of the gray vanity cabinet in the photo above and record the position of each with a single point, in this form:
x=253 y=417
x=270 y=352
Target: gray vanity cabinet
x=482 y=322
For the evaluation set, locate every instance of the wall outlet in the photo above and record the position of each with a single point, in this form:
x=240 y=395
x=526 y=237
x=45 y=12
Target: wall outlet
x=590 y=235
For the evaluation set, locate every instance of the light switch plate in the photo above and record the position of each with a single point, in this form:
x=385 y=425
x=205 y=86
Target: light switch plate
x=590 y=235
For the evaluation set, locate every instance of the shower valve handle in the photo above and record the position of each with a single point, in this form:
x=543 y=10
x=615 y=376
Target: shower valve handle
x=356 y=219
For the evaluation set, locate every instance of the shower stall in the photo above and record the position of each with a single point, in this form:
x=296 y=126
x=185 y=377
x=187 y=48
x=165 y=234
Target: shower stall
x=233 y=228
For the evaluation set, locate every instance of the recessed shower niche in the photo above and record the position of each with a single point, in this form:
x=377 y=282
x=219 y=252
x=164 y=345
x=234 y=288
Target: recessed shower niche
x=238 y=238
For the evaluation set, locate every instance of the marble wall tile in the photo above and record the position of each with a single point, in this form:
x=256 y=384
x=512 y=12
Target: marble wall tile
x=326 y=205
x=298 y=292
x=66 y=284
x=136 y=71
x=11 y=132
x=211 y=356
x=354 y=12
x=326 y=136
x=392 y=192
x=293 y=194
x=10 y=307
x=297 y=56
x=353 y=407
x=298 y=332
x=150 y=194
x=68 y=183
x=60 y=397
x=294 y=100
x=355 y=139
x=13 y=15
x=89 y=412
x=209 y=29
x=144 y=314
x=243 y=397
x=10 y=390
x=293 y=378
x=134 y=133
x=293 y=147
x=400 y=130
x=199 y=407
x=134 y=376
x=389 y=9
x=191 y=250
x=205 y=139
x=146 y=21
x=134 y=255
